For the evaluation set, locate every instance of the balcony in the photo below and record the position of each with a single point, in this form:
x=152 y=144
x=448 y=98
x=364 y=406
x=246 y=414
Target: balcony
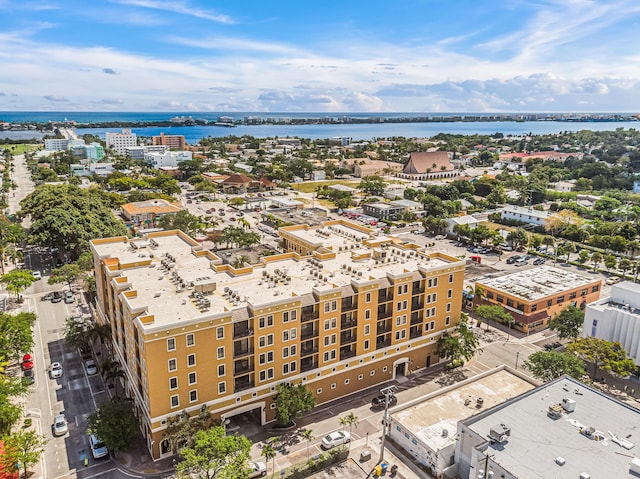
x=242 y=333
x=242 y=383
x=384 y=328
x=383 y=344
x=415 y=332
x=308 y=350
x=346 y=354
x=242 y=367
x=417 y=290
x=348 y=323
x=385 y=314
x=416 y=318
x=308 y=364
x=307 y=333
x=349 y=305
x=347 y=338
x=384 y=296
x=416 y=305
x=309 y=314
x=239 y=352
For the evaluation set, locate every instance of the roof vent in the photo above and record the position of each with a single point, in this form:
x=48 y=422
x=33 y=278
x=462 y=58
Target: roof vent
x=445 y=433
x=585 y=475
x=500 y=433
x=560 y=461
x=568 y=404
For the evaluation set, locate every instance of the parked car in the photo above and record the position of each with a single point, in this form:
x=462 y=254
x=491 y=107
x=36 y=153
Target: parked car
x=98 y=449
x=539 y=261
x=613 y=280
x=57 y=296
x=27 y=362
x=68 y=297
x=90 y=367
x=522 y=261
x=47 y=297
x=256 y=469
x=379 y=401
x=28 y=376
x=60 y=426
x=37 y=275
x=513 y=259
x=56 y=371
x=85 y=352
x=334 y=439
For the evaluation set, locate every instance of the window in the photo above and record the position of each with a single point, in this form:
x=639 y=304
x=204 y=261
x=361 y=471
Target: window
x=367 y=329
x=192 y=378
x=171 y=344
x=448 y=308
x=330 y=339
x=221 y=370
x=430 y=326
x=266 y=374
x=285 y=317
x=403 y=288
x=333 y=385
x=265 y=321
x=367 y=314
x=262 y=341
x=285 y=335
x=289 y=368
x=293 y=333
x=534 y=307
x=220 y=332
x=400 y=320
x=372 y=373
x=447 y=321
x=173 y=383
x=285 y=352
x=346 y=381
x=549 y=303
x=330 y=306
x=191 y=360
x=450 y=278
x=433 y=282
x=270 y=357
x=583 y=292
x=222 y=387
x=402 y=305
x=367 y=297
x=221 y=352
x=319 y=391
x=293 y=315
x=270 y=339
x=175 y=401
x=499 y=298
x=330 y=324
x=490 y=294
x=401 y=334
x=173 y=365
x=360 y=377
x=560 y=299
x=573 y=295
x=193 y=395
x=366 y=344
x=191 y=340
x=330 y=355
x=450 y=294
x=595 y=289
x=520 y=306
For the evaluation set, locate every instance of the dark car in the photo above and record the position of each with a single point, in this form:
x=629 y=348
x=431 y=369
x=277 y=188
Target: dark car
x=378 y=402
x=57 y=296
x=513 y=259
x=539 y=261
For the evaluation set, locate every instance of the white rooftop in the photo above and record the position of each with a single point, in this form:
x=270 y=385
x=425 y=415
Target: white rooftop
x=537 y=283
x=526 y=211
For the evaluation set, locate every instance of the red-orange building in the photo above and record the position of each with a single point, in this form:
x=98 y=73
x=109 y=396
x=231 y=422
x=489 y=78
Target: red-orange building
x=174 y=142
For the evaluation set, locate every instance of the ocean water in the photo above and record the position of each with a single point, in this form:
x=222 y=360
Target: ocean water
x=364 y=131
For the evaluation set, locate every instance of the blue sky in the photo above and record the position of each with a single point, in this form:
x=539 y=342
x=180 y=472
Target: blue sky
x=312 y=56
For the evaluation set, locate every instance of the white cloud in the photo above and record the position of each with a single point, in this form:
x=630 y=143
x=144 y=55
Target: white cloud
x=177 y=6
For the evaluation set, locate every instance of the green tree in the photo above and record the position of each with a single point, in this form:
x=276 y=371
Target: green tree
x=568 y=323
x=23 y=448
x=10 y=234
x=292 y=401
x=307 y=435
x=10 y=409
x=518 y=237
x=596 y=259
x=459 y=346
x=181 y=429
x=183 y=221
x=115 y=423
x=215 y=455
x=493 y=312
x=349 y=421
x=372 y=185
x=625 y=265
x=269 y=453
x=17 y=280
x=16 y=334
x=549 y=365
x=610 y=261
x=603 y=355
x=583 y=256
x=67 y=274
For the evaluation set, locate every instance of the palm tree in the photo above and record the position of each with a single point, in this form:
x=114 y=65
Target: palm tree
x=349 y=420
x=244 y=223
x=307 y=434
x=268 y=452
x=111 y=370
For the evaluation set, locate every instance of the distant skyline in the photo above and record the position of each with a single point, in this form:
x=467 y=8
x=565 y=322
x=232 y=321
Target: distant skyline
x=349 y=56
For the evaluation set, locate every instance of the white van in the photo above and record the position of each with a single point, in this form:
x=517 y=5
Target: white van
x=98 y=449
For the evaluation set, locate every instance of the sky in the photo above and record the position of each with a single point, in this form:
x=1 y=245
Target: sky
x=320 y=56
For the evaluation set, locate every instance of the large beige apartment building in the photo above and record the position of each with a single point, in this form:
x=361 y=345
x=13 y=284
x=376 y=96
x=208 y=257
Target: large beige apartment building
x=343 y=310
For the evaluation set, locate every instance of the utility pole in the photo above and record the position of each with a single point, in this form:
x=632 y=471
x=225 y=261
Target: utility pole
x=388 y=392
x=517 y=357
x=484 y=473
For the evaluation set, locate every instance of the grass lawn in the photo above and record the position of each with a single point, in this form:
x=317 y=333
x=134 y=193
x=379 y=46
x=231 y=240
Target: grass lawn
x=310 y=186
x=21 y=148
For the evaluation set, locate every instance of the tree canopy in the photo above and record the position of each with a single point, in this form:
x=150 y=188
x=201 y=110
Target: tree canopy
x=568 y=323
x=115 y=423
x=462 y=344
x=215 y=455
x=292 y=401
x=183 y=221
x=549 y=365
x=603 y=355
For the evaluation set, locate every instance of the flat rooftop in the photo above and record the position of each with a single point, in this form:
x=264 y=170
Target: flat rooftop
x=165 y=292
x=538 y=283
x=537 y=440
x=427 y=419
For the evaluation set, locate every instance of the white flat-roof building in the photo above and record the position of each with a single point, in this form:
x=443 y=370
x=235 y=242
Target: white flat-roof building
x=167 y=159
x=121 y=141
x=56 y=144
x=617 y=318
x=469 y=220
x=524 y=215
x=562 y=429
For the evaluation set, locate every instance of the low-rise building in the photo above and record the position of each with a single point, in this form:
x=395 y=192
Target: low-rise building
x=147 y=213
x=468 y=220
x=617 y=318
x=523 y=215
x=167 y=159
x=174 y=142
x=534 y=296
x=428 y=165
x=382 y=211
x=56 y=144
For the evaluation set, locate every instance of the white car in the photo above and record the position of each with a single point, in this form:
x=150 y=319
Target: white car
x=98 y=449
x=90 y=367
x=256 y=469
x=60 y=426
x=56 y=370
x=334 y=439
x=37 y=275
